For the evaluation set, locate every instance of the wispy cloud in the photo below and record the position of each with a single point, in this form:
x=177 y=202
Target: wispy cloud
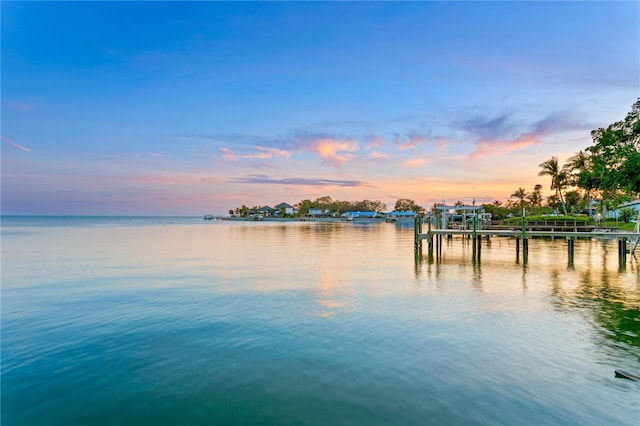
x=411 y=139
x=499 y=134
x=15 y=144
x=415 y=162
x=372 y=141
x=256 y=152
x=486 y=128
x=20 y=106
x=374 y=155
x=484 y=148
x=265 y=179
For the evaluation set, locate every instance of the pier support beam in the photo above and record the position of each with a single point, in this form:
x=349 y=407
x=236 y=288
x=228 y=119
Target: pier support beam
x=417 y=231
x=622 y=252
x=571 y=249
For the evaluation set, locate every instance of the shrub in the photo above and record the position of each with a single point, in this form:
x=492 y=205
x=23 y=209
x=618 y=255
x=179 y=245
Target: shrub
x=626 y=214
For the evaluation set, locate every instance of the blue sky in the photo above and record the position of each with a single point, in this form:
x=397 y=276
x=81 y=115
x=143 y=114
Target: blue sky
x=194 y=108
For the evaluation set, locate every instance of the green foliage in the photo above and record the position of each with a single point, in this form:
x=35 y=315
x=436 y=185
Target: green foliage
x=614 y=166
x=626 y=214
x=325 y=204
x=558 y=177
x=406 y=205
x=546 y=218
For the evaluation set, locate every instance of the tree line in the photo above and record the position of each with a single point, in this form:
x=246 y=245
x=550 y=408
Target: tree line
x=607 y=172
x=332 y=207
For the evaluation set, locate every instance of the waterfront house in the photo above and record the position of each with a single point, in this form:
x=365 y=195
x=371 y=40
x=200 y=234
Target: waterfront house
x=401 y=215
x=287 y=208
x=635 y=205
x=360 y=215
x=319 y=212
x=266 y=211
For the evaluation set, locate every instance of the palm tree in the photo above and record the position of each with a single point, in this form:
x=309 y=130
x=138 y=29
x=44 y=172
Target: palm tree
x=520 y=194
x=558 y=177
x=535 y=197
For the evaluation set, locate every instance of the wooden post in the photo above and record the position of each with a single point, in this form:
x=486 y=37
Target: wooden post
x=475 y=241
x=517 y=249
x=570 y=249
x=622 y=252
x=430 y=243
x=525 y=241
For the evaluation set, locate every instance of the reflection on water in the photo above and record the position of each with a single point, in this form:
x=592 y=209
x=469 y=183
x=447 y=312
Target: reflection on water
x=594 y=286
x=184 y=322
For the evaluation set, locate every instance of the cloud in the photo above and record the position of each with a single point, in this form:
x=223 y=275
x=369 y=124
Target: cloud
x=265 y=179
x=415 y=162
x=486 y=128
x=484 y=148
x=15 y=144
x=227 y=154
x=411 y=139
x=334 y=151
x=256 y=152
x=374 y=155
x=498 y=134
x=372 y=141
x=20 y=106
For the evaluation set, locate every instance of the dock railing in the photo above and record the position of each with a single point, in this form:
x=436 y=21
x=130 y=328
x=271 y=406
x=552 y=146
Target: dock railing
x=627 y=241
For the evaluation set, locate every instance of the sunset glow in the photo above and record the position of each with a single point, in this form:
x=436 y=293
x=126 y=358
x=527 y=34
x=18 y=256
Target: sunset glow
x=211 y=105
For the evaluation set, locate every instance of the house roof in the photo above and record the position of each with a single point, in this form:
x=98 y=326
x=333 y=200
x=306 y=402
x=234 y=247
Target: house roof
x=284 y=206
x=633 y=203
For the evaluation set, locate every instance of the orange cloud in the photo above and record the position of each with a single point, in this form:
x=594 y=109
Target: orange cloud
x=484 y=148
x=268 y=153
x=334 y=151
x=415 y=162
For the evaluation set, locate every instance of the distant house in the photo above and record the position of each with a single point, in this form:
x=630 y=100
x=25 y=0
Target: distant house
x=401 y=215
x=635 y=205
x=318 y=212
x=288 y=208
x=359 y=215
x=266 y=211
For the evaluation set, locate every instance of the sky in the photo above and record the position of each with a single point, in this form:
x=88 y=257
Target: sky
x=193 y=108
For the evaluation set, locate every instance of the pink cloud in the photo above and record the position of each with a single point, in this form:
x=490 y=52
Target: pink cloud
x=375 y=155
x=410 y=140
x=268 y=153
x=415 y=162
x=227 y=154
x=333 y=151
x=373 y=141
x=20 y=106
x=15 y=144
x=262 y=153
x=484 y=148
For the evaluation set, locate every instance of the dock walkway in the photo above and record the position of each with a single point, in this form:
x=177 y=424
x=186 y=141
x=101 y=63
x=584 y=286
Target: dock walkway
x=627 y=241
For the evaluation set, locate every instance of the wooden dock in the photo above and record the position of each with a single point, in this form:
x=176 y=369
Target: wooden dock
x=434 y=240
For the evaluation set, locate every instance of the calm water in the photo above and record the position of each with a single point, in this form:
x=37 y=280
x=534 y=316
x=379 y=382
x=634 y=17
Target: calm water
x=181 y=321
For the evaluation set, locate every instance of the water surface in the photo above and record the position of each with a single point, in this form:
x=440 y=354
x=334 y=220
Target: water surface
x=180 y=321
